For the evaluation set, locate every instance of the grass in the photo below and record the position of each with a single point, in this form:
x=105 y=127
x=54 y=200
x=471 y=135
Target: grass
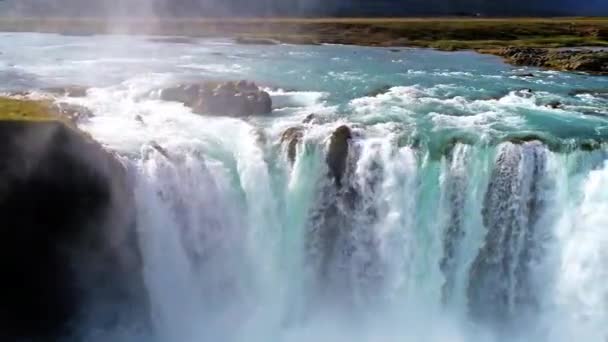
x=27 y=110
x=441 y=33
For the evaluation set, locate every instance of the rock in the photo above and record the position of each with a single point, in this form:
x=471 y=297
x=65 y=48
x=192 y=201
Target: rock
x=554 y=104
x=173 y=40
x=228 y=98
x=292 y=137
x=188 y=94
x=73 y=112
x=525 y=93
x=255 y=41
x=337 y=154
x=70 y=91
x=527 y=74
x=379 y=91
x=309 y=118
x=582 y=60
x=68 y=234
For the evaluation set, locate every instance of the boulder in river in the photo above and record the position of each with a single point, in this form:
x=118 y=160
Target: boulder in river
x=221 y=98
x=337 y=154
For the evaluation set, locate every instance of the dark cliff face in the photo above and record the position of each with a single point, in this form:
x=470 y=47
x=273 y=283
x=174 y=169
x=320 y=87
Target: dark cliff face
x=68 y=240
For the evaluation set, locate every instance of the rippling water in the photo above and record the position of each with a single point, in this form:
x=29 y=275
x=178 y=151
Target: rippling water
x=470 y=210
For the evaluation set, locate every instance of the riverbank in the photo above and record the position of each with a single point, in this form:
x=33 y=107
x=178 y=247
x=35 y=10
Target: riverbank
x=450 y=34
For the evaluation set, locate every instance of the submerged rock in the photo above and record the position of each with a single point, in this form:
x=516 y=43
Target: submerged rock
x=224 y=98
x=68 y=223
x=337 y=153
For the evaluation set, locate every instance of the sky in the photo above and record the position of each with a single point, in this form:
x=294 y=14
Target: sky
x=302 y=7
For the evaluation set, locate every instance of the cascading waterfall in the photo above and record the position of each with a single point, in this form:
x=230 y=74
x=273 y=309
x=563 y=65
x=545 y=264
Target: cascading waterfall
x=223 y=261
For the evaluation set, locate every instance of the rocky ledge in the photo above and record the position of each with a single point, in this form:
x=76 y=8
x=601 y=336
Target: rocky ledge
x=579 y=60
x=221 y=98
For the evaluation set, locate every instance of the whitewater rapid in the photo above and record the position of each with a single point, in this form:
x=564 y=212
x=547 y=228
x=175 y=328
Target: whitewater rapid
x=469 y=209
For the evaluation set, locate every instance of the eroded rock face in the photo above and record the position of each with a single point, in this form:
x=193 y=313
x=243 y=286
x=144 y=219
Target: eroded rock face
x=337 y=154
x=228 y=98
x=68 y=251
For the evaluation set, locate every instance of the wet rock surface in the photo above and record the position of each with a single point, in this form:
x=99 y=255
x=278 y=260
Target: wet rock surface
x=221 y=98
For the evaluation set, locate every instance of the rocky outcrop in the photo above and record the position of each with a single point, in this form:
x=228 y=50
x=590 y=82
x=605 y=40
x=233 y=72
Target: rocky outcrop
x=582 y=60
x=226 y=98
x=337 y=154
x=68 y=252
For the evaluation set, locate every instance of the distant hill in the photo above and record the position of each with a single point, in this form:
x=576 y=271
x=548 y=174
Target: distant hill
x=211 y=8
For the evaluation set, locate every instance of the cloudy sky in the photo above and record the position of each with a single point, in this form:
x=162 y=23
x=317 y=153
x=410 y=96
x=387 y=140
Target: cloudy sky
x=303 y=7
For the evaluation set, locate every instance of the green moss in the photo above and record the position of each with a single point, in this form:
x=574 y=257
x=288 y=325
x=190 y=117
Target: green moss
x=29 y=110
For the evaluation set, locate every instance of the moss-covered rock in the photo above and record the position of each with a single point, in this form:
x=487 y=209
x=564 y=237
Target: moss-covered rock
x=68 y=252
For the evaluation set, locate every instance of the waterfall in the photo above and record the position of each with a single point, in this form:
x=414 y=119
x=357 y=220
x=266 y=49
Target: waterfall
x=245 y=246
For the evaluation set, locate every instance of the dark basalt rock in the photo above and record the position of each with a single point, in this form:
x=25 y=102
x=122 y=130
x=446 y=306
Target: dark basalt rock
x=337 y=154
x=228 y=98
x=292 y=137
x=69 y=252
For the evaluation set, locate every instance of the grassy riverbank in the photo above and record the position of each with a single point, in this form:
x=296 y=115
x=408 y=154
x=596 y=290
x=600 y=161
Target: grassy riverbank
x=441 y=33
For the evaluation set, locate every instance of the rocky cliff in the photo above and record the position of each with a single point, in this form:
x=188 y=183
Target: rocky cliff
x=68 y=223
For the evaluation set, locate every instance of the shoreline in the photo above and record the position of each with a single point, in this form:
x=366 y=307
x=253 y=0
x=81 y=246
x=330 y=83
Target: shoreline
x=553 y=43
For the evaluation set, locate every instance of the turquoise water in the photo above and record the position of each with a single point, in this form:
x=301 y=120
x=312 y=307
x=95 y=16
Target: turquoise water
x=470 y=209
